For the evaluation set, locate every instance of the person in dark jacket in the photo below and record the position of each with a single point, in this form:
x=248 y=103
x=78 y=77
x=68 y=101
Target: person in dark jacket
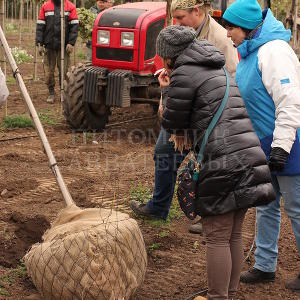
x=234 y=175
x=192 y=13
x=48 y=39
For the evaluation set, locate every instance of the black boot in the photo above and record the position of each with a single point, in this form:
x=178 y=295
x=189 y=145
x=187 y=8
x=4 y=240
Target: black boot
x=51 y=96
x=294 y=284
x=256 y=276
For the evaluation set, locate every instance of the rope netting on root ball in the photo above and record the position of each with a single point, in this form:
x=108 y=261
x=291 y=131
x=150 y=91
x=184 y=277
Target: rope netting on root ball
x=89 y=254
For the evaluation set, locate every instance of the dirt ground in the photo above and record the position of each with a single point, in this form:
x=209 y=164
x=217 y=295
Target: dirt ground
x=102 y=169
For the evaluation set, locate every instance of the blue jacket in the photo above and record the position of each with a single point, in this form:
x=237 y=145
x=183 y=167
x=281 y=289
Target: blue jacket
x=260 y=105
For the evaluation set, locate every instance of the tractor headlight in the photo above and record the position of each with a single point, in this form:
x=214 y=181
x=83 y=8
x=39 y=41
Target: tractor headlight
x=127 y=39
x=103 y=37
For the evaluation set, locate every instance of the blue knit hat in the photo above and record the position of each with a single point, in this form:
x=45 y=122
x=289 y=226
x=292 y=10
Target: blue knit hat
x=244 y=13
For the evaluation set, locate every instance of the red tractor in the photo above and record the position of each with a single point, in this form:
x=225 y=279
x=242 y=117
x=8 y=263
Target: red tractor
x=123 y=64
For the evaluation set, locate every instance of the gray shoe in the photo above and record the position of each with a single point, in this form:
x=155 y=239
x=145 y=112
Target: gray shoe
x=196 y=228
x=142 y=210
x=51 y=98
x=294 y=284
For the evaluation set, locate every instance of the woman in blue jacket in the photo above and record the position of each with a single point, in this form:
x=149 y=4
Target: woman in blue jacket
x=268 y=77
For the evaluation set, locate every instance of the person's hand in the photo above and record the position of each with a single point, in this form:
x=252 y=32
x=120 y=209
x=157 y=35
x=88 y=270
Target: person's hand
x=69 y=48
x=164 y=79
x=41 y=49
x=181 y=142
x=277 y=160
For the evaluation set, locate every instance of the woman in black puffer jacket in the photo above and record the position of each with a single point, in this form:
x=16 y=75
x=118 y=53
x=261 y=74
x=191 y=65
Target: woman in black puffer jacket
x=235 y=174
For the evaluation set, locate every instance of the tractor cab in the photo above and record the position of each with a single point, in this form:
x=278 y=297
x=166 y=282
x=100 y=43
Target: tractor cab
x=124 y=36
x=123 y=63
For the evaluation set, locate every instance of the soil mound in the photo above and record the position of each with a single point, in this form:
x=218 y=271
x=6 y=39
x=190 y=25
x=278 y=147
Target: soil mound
x=20 y=234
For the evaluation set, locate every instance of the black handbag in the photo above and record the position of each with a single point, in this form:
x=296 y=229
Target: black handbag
x=189 y=173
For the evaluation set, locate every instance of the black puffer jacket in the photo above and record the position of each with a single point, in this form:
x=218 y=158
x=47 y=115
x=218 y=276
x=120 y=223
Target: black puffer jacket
x=235 y=173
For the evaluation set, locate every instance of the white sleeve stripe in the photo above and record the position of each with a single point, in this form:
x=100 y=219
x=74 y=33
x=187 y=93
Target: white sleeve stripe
x=74 y=22
x=49 y=13
x=40 y=22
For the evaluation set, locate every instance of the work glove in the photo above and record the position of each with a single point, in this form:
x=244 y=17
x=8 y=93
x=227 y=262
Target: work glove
x=277 y=160
x=41 y=49
x=69 y=48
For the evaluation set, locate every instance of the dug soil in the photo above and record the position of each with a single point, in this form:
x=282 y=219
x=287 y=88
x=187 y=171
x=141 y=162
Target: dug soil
x=101 y=170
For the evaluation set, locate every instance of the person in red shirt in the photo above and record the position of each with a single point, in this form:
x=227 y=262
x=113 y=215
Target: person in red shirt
x=48 y=38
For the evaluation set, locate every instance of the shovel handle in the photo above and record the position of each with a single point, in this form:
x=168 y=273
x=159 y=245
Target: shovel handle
x=38 y=125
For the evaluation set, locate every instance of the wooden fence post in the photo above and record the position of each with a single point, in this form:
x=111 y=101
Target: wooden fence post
x=295 y=37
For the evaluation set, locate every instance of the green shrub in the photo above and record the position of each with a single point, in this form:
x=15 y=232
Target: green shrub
x=21 y=55
x=86 y=22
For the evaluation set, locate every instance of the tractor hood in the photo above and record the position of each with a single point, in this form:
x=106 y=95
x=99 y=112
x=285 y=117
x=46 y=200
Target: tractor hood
x=120 y=17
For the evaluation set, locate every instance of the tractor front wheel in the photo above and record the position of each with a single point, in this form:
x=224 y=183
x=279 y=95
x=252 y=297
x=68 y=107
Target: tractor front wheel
x=79 y=114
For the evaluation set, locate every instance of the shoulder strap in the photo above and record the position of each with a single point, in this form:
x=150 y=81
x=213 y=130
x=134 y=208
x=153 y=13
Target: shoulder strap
x=214 y=120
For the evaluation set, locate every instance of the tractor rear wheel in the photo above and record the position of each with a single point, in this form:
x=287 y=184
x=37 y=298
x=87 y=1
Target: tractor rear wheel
x=79 y=114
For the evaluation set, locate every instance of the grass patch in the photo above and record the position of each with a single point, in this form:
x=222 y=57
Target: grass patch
x=17 y=121
x=143 y=194
x=18 y=272
x=24 y=121
x=163 y=234
x=175 y=210
x=25 y=29
x=3 y=291
x=10 y=80
x=46 y=118
x=154 y=246
x=140 y=193
x=11 y=27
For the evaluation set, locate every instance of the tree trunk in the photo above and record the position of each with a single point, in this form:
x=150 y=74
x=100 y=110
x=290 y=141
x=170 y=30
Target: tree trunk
x=3 y=27
x=36 y=51
x=21 y=21
x=27 y=13
x=62 y=25
x=295 y=28
x=168 y=13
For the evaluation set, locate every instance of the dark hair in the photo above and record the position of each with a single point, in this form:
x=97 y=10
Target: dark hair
x=171 y=65
x=226 y=23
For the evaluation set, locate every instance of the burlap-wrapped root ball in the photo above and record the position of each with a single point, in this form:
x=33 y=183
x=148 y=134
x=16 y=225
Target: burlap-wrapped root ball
x=89 y=254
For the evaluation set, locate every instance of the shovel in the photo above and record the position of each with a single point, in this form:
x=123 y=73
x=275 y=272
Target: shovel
x=37 y=123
